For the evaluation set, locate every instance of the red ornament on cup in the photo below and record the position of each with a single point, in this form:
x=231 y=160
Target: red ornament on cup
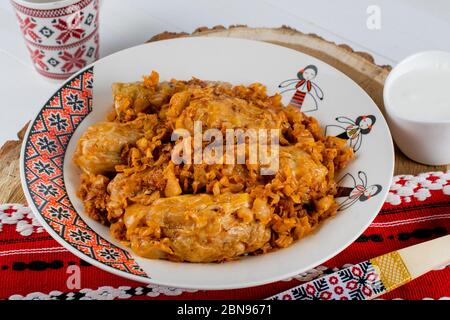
x=61 y=36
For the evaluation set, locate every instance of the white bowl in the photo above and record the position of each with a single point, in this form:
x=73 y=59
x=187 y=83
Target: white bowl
x=425 y=141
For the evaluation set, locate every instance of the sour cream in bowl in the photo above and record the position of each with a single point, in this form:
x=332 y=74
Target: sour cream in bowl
x=417 y=105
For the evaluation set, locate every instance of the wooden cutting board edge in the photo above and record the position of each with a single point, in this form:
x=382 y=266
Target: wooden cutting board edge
x=359 y=66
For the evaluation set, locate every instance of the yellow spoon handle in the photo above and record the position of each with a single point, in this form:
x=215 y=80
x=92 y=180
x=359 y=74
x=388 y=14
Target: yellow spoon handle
x=374 y=277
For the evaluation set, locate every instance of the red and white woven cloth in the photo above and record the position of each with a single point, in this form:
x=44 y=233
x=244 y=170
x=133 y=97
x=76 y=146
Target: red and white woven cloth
x=34 y=266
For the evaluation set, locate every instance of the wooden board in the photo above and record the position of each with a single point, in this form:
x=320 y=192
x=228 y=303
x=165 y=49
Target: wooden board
x=359 y=66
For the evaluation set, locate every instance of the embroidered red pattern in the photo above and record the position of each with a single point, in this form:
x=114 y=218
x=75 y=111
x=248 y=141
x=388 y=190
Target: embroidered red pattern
x=37 y=13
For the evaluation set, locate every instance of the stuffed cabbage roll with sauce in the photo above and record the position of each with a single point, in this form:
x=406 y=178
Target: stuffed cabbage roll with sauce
x=198 y=228
x=99 y=148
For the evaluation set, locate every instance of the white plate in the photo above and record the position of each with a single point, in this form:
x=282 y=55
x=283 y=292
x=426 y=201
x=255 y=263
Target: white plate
x=50 y=178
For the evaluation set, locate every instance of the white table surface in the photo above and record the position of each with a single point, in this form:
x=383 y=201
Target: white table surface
x=407 y=26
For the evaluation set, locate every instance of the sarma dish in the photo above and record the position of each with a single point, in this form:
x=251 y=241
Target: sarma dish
x=202 y=212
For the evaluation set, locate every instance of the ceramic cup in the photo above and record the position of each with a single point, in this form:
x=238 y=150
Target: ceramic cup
x=61 y=36
x=425 y=141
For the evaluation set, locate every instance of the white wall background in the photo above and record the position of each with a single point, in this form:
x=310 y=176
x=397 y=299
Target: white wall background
x=407 y=26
